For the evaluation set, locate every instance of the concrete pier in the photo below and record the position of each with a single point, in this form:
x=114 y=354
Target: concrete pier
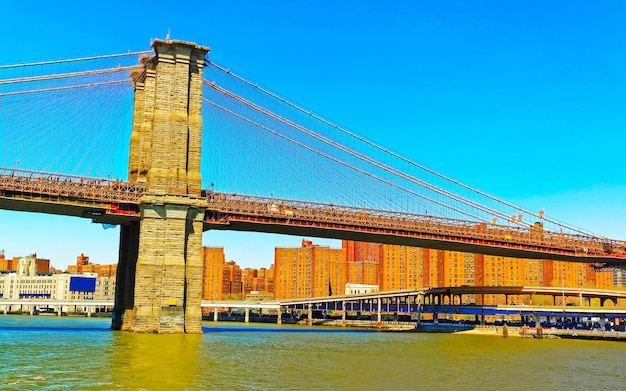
x=378 y=313
x=160 y=266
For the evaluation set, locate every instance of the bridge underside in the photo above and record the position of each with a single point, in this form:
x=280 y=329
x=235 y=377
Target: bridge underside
x=101 y=213
x=337 y=231
x=97 y=212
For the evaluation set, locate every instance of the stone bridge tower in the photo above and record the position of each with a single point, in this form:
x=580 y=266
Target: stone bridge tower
x=159 y=278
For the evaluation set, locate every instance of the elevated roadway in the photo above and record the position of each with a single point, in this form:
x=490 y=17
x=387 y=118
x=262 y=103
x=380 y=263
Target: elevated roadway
x=118 y=202
x=401 y=301
x=275 y=305
x=54 y=303
x=466 y=290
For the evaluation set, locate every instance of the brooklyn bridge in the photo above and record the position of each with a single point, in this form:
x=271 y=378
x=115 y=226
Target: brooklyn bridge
x=168 y=144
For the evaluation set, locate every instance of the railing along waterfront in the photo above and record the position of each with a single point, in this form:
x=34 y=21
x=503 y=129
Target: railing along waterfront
x=399 y=222
x=75 y=188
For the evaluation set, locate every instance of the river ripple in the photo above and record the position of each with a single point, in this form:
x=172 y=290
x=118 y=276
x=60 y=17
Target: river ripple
x=41 y=352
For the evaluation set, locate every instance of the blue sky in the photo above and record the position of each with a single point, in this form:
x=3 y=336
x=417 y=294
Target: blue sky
x=521 y=99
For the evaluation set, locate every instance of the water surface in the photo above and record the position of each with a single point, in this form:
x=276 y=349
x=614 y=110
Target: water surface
x=41 y=352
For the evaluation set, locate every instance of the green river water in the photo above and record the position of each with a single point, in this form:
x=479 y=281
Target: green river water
x=51 y=353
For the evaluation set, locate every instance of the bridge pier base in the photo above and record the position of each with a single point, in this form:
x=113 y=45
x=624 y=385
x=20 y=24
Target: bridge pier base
x=247 y=316
x=215 y=314
x=168 y=276
x=279 y=320
x=125 y=277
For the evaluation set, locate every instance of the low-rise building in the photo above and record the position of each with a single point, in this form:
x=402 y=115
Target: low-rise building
x=26 y=283
x=361 y=289
x=84 y=266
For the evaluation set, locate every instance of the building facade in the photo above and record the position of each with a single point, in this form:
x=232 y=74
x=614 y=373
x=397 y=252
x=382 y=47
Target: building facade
x=84 y=266
x=212 y=273
x=7 y=265
x=403 y=267
x=309 y=271
x=26 y=283
x=363 y=262
x=231 y=281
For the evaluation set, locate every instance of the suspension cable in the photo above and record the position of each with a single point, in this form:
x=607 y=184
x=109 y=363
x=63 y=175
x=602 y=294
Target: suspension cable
x=362 y=157
x=76 y=59
x=390 y=153
x=66 y=87
x=256 y=124
x=68 y=75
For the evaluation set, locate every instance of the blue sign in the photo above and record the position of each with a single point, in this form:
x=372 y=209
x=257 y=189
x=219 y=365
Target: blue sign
x=82 y=284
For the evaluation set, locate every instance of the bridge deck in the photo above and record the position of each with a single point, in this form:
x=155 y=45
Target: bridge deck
x=118 y=202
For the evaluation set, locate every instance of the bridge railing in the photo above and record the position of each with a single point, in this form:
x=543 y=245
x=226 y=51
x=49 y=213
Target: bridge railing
x=76 y=188
x=95 y=190
x=425 y=225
